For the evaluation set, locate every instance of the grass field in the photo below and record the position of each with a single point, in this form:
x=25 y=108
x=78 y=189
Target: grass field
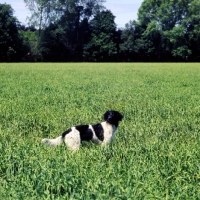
x=156 y=151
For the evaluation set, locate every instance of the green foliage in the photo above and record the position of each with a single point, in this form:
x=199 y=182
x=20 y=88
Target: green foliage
x=10 y=43
x=42 y=12
x=168 y=14
x=83 y=30
x=52 y=45
x=62 y=27
x=155 y=154
x=128 y=39
x=29 y=45
x=173 y=23
x=46 y=12
x=139 y=43
x=101 y=45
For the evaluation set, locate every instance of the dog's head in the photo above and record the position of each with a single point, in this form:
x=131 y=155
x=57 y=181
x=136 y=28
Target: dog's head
x=113 y=117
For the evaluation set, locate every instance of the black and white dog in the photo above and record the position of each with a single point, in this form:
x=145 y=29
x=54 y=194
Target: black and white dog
x=103 y=132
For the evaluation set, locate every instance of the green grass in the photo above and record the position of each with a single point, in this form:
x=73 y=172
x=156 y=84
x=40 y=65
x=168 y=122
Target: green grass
x=156 y=151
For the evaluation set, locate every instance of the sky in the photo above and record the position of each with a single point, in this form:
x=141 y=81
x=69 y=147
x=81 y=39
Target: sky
x=124 y=11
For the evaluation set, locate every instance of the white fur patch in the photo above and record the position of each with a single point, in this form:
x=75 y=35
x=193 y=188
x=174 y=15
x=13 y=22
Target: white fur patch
x=53 y=142
x=72 y=139
x=109 y=132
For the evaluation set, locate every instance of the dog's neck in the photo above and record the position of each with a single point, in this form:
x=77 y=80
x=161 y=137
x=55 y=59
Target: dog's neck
x=109 y=128
x=113 y=124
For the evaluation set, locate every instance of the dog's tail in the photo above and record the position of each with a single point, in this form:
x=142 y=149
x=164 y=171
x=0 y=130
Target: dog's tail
x=53 y=142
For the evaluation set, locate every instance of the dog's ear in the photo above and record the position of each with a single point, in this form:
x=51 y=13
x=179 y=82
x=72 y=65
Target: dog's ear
x=106 y=115
x=120 y=116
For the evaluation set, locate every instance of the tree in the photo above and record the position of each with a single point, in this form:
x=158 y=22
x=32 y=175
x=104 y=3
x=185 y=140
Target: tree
x=66 y=18
x=42 y=12
x=173 y=23
x=101 y=45
x=53 y=45
x=152 y=37
x=192 y=24
x=29 y=42
x=133 y=46
x=128 y=40
x=10 y=43
x=46 y=12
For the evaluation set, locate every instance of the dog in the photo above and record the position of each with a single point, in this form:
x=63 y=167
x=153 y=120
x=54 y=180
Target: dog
x=101 y=133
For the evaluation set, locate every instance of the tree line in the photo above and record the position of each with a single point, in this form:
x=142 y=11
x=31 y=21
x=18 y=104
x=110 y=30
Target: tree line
x=84 y=30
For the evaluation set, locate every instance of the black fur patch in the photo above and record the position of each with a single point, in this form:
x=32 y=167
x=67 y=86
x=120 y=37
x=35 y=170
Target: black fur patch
x=98 y=129
x=113 y=117
x=66 y=132
x=85 y=133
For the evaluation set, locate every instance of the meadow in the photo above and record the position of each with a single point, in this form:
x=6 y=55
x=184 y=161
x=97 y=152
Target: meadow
x=156 y=151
